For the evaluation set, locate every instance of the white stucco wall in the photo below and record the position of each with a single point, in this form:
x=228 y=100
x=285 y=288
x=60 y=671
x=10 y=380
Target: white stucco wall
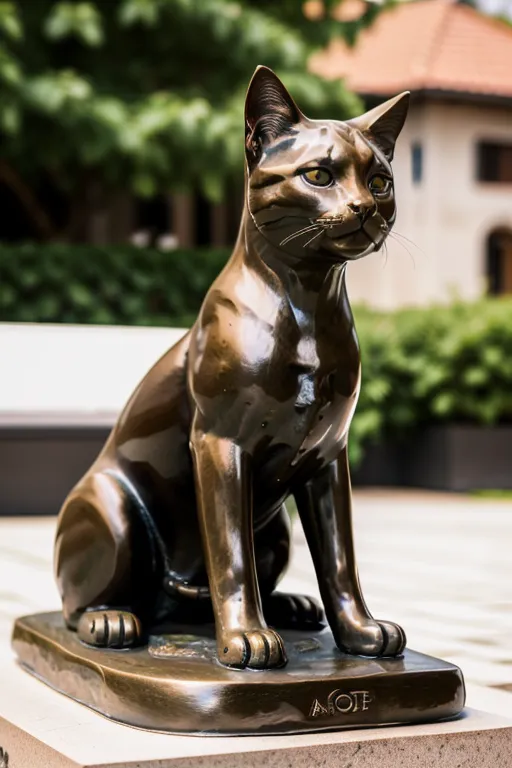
x=448 y=215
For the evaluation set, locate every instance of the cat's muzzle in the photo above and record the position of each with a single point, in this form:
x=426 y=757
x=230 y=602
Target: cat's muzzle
x=354 y=238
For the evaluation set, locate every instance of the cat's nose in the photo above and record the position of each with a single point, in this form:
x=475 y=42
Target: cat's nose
x=361 y=210
x=354 y=206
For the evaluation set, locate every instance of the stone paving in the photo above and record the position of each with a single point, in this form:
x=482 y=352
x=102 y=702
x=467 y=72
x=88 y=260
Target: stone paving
x=441 y=566
x=438 y=564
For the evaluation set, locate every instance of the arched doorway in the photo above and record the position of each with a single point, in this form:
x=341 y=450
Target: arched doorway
x=499 y=261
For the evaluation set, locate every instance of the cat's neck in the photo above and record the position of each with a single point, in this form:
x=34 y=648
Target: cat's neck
x=304 y=281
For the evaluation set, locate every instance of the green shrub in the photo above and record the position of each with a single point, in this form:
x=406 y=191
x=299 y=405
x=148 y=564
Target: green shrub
x=420 y=366
x=433 y=365
x=113 y=285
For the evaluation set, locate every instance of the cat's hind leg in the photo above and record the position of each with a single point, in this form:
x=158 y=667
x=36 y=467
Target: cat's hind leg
x=106 y=562
x=110 y=629
x=282 y=609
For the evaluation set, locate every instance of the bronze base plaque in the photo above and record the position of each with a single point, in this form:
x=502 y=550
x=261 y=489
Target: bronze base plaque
x=176 y=684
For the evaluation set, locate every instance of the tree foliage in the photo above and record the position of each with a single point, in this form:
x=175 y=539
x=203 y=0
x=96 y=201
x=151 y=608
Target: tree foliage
x=147 y=94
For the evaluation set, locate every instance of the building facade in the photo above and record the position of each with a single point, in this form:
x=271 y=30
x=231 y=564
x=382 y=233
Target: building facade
x=453 y=162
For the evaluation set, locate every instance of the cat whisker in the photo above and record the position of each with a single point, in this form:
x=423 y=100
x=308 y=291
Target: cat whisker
x=299 y=232
x=314 y=237
x=392 y=234
x=421 y=250
x=386 y=254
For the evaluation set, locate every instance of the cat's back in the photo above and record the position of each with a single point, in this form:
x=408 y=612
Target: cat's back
x=157 y=415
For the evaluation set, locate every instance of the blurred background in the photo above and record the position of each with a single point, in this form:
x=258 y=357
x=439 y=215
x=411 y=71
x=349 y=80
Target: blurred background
x=121 y=188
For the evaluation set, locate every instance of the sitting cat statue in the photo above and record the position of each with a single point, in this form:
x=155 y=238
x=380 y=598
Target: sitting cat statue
x=182 y=514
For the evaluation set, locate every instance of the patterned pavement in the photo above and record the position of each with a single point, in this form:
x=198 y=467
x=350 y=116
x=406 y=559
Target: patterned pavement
x=439 y=564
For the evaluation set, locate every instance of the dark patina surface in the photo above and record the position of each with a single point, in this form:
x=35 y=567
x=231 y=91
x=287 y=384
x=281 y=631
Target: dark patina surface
x=176 y=684
x=182 y=516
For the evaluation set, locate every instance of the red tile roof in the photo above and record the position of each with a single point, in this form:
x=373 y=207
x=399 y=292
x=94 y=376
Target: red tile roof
x=433 y=45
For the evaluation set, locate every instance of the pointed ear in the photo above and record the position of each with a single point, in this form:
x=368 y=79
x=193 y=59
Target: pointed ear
x=385 y=122
x=269 y=111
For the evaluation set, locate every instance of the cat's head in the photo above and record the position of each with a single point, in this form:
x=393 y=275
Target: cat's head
x=319 y=186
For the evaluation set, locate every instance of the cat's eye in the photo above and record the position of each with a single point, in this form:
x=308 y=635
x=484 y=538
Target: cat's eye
x=319 y=177
x=379 y=185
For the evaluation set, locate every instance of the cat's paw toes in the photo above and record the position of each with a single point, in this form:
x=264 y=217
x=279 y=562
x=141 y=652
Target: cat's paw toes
x=109 y=629
x=393 y=639
x=373 y=638
x=293 y=611
x=256 y=649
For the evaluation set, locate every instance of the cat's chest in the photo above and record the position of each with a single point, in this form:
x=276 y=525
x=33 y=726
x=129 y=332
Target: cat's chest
x=314 y=379
x=314 y=357
x=307 y=417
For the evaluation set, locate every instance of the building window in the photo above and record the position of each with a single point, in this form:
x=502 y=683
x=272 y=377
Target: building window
x=417 y=162
x=494 y=162
x=499 y=262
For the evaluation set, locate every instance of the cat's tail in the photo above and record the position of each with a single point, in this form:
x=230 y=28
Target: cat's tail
x=178 y=589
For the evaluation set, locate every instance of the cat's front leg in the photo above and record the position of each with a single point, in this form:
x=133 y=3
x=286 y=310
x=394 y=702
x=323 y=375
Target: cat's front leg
x=224 y=500
x=325 y=508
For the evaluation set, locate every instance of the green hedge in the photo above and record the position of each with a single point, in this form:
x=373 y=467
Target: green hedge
x=114 y=285
x=433 y=365
x=420 y=366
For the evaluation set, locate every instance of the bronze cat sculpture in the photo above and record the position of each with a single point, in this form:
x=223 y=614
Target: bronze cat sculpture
x=182 y=514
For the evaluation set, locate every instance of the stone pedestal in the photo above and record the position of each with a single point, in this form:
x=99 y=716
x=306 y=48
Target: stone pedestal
x=41 y=729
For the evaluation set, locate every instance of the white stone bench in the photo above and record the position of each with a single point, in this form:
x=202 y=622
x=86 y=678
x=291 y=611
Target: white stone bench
x=61 y=389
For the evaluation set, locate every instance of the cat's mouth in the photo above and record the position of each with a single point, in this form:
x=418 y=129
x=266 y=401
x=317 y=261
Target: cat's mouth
x=369 y=236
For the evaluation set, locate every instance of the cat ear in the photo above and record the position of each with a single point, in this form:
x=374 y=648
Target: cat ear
x=385 y=122
x=269 y=111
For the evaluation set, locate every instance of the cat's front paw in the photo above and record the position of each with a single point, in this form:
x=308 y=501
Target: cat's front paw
x=372 y=638
x=256 y=649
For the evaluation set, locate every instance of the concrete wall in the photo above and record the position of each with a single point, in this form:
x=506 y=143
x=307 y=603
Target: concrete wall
x=448 y=215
